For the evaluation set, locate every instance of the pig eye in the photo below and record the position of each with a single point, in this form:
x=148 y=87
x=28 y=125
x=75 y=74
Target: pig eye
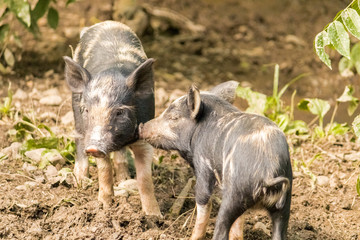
x=83 y=109
x=120 y=112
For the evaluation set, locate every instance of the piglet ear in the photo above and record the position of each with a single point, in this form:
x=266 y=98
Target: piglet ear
x=194 y=102
x=226 y=90
x=76 y=76
x=141 y=80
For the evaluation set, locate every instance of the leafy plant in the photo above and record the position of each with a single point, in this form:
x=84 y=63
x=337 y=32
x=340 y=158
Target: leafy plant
x=21 y=10
x=335 y=34
x=5 y=108
x=273 y=107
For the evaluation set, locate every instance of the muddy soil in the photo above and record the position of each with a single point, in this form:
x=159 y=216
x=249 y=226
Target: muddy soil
x=243 y=41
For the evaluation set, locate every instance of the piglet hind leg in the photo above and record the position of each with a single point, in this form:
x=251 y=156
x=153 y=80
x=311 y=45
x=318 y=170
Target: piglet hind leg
x=229 y=211
x=105 y=174
x=121 y=165
x=143 y=159
x=280 y=219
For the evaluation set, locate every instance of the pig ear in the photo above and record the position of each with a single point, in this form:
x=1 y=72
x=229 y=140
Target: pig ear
x=194 y=102
x=141 y=80
x=226 y=90
x=76 y=76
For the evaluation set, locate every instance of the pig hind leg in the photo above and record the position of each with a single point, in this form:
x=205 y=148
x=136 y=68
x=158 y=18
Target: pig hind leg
x=143 y=159
x=280 y=219
x=232 y=207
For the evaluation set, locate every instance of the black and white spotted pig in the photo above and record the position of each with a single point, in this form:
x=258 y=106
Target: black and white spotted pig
x=111 y=80
x=246 y=154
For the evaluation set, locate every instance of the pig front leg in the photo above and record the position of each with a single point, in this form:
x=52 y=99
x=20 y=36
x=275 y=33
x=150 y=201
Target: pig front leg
x=205 y=182
x=237 y=229
x=105 y=174
x=143 y=159
x=81 y=168
x=121 y=165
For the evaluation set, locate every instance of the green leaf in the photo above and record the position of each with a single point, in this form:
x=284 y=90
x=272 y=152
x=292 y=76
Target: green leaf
x=53 y=18
x=256 y=101
x=9 y=57
x=69 y=2
x=315 y=106
x=356 y=126
x=345 y=66
x=355 y=56
x=40 y=9
x=297 y=127
x=282 y=121
x=351 y=20
x=338 y=129
x=322 y=40
x=4 y=32
x=45 y=142
x=347 y=96
x=339 y=38
x=21 y=8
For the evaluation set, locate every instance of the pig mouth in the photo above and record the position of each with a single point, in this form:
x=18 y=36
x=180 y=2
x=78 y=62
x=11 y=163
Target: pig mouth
x=95 y=152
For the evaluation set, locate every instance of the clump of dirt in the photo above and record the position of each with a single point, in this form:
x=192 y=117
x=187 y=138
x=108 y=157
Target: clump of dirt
x=243 y=41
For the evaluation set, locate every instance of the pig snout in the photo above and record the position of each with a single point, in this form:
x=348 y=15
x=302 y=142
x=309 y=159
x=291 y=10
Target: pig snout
x=95 y=151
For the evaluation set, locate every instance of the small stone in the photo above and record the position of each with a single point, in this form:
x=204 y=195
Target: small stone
x=28 y=167
x=49 y=73
x=48 y=115
x=261 y=226
x=162 y=236
x=21 y=187
x=121 y=193
x=35 y=154
x=51 y=92
x=51 y=171
x=54 y=100
x=322 y=180
x=13 y=150
x=129 y=185
x=31 y=184
x=295 y=40
x=20 y=94
x=68 y=118
x=54 y=157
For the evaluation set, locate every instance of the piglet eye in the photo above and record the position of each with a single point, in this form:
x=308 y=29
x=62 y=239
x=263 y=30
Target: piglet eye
x=120 y=112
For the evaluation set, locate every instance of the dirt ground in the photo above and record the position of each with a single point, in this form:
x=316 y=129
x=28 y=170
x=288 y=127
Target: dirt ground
x=243 y=41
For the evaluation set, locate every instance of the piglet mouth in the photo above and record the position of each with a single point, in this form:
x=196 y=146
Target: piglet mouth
x=94 y=151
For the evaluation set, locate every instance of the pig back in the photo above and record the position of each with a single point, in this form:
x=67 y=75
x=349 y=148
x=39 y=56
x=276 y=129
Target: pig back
x=107 y=45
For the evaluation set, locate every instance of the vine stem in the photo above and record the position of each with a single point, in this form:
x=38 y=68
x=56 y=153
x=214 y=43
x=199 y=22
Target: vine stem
x=338 y=15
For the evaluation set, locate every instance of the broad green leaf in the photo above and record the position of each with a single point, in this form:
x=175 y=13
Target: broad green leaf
x=315 y=106
x=347 y=96
x=338 y=129
x=356 y=126
x=45 y=142
x=351 y=20
x=9 y=57
x=339 y=38
x=322 y=40
x=4 y=31
x=256 y=101
x=53 y=18
x=297 y=127
x=21 y=8
x=40 y=9
x=282 y=121
x=355 y=56
x=345 y=66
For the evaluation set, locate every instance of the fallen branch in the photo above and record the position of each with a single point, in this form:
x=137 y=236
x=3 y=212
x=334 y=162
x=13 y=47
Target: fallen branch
x=179 y=202
x=175 y=19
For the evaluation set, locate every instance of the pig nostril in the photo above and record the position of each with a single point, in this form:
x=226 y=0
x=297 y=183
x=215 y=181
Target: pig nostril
x=94 y=151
